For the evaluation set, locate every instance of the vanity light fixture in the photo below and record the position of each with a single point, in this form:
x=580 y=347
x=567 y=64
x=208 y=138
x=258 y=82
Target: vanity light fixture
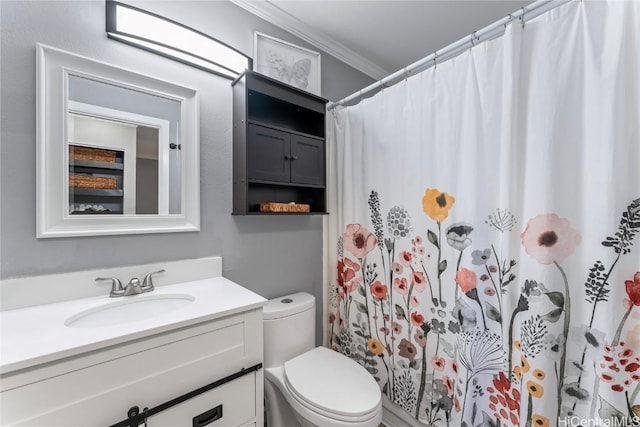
x=173 y=40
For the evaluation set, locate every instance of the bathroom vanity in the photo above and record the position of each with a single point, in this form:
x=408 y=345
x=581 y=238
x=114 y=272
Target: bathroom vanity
x=187 y=354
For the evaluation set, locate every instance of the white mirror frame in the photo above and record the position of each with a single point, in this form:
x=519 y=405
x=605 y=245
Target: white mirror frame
x=53 y=220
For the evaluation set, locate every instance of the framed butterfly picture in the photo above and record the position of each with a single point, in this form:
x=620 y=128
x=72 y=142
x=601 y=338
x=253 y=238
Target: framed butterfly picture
x=286 y=62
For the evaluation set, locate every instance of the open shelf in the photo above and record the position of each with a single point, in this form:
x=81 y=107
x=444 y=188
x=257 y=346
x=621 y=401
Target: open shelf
x=87 y=170
x=279 y=150
x=76 y=191
x=96 y=165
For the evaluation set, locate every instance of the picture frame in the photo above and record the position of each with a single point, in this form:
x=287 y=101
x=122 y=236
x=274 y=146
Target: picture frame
x=286 y=62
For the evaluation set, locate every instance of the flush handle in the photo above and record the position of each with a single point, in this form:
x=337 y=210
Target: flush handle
x=208 y=417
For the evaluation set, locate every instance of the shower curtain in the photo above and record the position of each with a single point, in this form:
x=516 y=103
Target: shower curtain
x=483 y=249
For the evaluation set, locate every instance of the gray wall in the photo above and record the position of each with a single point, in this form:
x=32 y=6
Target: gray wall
x=146 y=186
x=270 y=255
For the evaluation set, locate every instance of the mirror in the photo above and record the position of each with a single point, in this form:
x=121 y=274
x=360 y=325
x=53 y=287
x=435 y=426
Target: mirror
x=118 y=151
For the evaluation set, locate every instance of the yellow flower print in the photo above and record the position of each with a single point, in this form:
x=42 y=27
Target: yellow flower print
x=525 y=364
x=437 y=204
x=517 y=344
x=375 y=346
x=539 y=420
x=539 y=374
x=518 y=372
x=535 y=389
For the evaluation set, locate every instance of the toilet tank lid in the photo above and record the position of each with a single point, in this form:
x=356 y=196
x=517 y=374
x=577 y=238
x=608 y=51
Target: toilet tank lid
x=288 y=305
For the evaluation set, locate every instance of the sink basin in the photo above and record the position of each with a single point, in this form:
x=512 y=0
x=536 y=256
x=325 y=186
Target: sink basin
x=129 y=309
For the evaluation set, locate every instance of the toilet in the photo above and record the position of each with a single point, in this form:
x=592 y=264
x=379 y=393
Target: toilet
x=312 y=386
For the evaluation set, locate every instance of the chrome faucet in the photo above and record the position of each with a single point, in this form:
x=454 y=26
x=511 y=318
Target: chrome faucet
x=116 y=286
x=147 y=283
x=133 y=287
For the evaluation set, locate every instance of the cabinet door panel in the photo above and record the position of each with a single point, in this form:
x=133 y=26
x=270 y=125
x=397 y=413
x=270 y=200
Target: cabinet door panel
x=307 y=166
x=268 y=154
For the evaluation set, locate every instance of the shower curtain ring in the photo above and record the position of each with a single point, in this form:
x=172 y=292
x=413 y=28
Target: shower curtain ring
x=509 y=19
x=473 y=39
x=524 y=10
x=435 y=60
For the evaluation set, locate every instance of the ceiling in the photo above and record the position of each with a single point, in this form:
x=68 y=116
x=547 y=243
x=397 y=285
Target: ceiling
x=379 y=37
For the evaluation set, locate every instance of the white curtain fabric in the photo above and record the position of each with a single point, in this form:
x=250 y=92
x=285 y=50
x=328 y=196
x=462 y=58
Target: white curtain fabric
x=482 y=243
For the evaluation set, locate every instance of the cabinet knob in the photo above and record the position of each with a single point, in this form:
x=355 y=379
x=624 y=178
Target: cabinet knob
x=294 y=157
x=287 y=157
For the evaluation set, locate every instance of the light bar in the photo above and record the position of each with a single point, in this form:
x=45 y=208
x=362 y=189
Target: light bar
x=173 y=40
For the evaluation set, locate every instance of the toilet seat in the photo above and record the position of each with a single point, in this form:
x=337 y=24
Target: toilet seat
x=331 y=384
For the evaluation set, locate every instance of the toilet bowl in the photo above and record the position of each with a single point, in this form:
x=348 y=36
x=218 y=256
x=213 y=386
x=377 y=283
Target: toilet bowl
x=307 y=385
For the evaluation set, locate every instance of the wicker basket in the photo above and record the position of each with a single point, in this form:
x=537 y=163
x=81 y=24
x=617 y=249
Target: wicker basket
x=94 y=154
x=98 y=182
x=295 y=207
x=283 y=207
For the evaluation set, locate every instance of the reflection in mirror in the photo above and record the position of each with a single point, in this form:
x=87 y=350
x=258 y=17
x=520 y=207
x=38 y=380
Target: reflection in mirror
x=118 y=151
x=121 y=159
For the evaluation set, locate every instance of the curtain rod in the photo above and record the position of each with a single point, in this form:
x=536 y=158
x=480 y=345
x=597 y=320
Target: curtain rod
x=487 y=33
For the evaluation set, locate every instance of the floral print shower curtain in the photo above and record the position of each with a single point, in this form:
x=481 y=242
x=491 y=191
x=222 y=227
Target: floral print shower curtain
x=483 y=237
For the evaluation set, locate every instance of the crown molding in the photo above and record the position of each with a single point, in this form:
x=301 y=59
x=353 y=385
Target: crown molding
x=273 y=14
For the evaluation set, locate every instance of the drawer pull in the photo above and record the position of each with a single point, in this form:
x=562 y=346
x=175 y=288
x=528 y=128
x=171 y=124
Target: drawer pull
x=208 y=417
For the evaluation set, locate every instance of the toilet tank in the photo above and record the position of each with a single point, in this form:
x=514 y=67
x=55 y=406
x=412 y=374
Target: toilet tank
x=289 y=328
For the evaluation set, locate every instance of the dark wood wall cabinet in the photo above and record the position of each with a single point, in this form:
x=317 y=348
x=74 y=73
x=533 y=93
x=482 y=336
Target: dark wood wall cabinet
x=279 y=150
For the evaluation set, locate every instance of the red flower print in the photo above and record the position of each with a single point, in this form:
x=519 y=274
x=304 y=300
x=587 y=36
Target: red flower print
x=400 y=285
x=549 y=238
x=633 y=288
x=466 y=279
x=405 y=258
x=379 y=290
x=619 y=367
x=397 y=328
x=489 y=291
x=448 y=383
x=456 y=404
x=438 y=363
x=340 y=273
x=397 y=268
x=419 y=281
x=484 y=277
x=347 y=276
x=344 y=273
x=420 y=338
x=414 y=301
x=417 y=319
x=504 y=400
x=632 y=367
x=358 y=240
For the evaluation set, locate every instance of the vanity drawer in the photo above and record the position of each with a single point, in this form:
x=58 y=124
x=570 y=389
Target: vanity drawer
x=231 y=404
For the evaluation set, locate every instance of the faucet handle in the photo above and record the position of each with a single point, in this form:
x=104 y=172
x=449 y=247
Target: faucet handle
x=147 y=283
x=116 y=286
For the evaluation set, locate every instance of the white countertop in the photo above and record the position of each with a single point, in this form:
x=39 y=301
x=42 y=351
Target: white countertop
x=36 y=335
